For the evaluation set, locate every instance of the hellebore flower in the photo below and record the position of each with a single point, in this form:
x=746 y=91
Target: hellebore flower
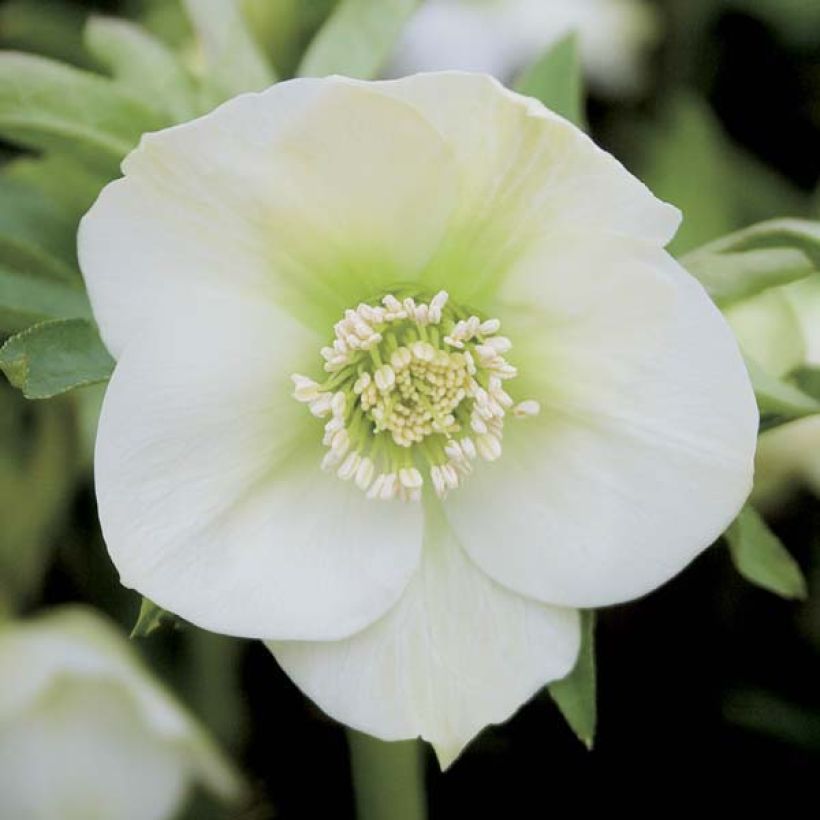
x=86 y=732
x=502 y=37
x=320 y=275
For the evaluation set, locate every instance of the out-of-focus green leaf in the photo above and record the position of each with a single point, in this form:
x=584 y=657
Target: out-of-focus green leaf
x=26 y=300
x=66 y=184
x=556 y=79
x=50 y=106
x=730 y=277
x=151 y=618
x=143 y=65
x=798 y=234
x=575 y=694
x=779 y=398
x=37 y=468
x=761 y=558
x=687 y=163
x=35 y=236
x=52 y=28
x=357 y=38
x=54 y=357
x=233 y=62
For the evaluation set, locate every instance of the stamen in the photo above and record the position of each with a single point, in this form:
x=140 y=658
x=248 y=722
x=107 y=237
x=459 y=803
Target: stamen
x=412 y=385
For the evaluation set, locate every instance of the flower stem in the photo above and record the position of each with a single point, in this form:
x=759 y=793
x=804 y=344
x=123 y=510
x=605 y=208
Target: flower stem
x=388 y=778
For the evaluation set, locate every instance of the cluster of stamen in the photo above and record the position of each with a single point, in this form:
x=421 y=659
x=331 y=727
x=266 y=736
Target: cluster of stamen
x=412 y=385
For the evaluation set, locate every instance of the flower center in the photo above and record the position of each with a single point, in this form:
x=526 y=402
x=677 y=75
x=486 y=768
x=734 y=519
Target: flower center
x=411 y=387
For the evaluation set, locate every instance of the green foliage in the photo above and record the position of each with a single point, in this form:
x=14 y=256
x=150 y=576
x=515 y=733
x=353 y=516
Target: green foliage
x=761 y=558
x=575 y=694
x=751 y=260
x=65 y=184
x=49 y=106
x=151 y=618
x=233 y=60
x=37 y=465
x=687 y=163
x=55 y=356
x=26 y=300
x=143 y=66
x=557 y=80
x=52 y=28
x=35 y=235
x=779 y=401
x=357 y=38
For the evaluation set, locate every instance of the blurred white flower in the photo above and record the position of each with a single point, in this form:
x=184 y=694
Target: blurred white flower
x=320 y=274
x=502 y=37
x=780 y=330
x=87 y=733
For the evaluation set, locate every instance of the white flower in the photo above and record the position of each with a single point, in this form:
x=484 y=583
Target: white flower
x=389 y=279
x=780 y=330
x=502 y=37
x=85 y=732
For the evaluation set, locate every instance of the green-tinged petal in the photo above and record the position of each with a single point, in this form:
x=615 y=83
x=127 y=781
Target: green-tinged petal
x=143 y=65
x=768 y=331
x=804 y=298
x=209 y=490
x=458 y=652
x=50 y=106
x=642 y=453
x=788 y=458
x=85 y=729
x=525 y=173
x=314 y=195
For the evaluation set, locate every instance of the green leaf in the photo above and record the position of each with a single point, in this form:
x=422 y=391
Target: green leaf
x=733 y=276
x=35 y=235
x=54 y=357
x=357 y=38
x=26 y=299
x=575 y=694
x=52 y=28
x=151 y=618
x=49 y=106
x=66 y=184
x=761 y=558
x=777 y=397
x=556 y=79
x=686 y=162
x=143 y=65
x=233 y=61
x=799 y=234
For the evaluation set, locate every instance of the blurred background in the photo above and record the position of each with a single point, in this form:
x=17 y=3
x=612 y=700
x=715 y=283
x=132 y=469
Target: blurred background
x=708 y=690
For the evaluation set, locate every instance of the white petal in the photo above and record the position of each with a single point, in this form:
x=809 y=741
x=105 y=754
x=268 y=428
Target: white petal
x=83 y=724
x=457 y=653
x=525 y=173
x=311 y=194
x=210 y=495
x=85 y=753
x=642 y=453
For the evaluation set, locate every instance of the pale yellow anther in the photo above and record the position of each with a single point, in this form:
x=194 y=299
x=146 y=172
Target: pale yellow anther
x=446 y=386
